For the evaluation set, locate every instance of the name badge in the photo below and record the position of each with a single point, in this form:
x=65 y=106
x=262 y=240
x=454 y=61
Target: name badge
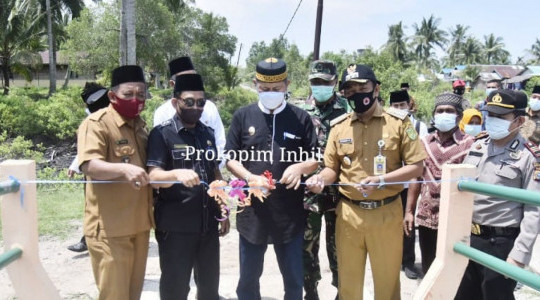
x=379 y=161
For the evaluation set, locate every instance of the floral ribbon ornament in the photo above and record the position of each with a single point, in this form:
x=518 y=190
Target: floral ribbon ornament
x=233 y=192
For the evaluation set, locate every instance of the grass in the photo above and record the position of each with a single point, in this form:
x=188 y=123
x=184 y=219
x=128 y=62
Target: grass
x=58 y=208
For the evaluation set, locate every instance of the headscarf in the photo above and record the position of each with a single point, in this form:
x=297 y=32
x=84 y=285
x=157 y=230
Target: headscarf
x=467 y=116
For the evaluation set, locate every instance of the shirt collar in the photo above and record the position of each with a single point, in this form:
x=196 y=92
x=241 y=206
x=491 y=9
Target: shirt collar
x=276 y=111
x=178 y=125
x=378 y=112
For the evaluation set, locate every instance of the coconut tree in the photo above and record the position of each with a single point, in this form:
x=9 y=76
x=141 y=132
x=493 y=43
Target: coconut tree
x=472 y=51
x=427 y=36
x=493 y=49
x=20 y=38
x=458 y=36
x=535 y=51
x=396 y=43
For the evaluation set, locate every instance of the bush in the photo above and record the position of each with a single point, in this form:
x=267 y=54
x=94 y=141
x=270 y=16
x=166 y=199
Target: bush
x=230 y=101
x=19 y=148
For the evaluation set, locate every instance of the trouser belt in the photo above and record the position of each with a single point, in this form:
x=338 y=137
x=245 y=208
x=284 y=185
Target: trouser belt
x=478 y=229
x=370 y=204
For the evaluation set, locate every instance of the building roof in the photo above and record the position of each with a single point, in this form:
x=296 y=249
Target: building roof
x=60 y=58
x=504 y=71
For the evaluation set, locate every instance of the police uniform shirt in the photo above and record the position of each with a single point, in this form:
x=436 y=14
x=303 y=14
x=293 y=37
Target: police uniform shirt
x=179 y=208
x=512 y=166
x=114 y=210
x=281 y=216
x=352 y=146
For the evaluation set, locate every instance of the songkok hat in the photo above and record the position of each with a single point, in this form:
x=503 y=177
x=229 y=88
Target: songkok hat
x=95 y=96
x=536 y=89
x=180 y=64
x=271 y=70
x=129 y=73
x=449 y=99
x=502 y=102
x=404 y=85
x=399 y=96
x=188 y=82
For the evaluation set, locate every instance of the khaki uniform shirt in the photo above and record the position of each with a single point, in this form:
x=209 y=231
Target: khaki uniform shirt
x=531 y=129
x=352 y=146
x=512 y=166
x=114 y=210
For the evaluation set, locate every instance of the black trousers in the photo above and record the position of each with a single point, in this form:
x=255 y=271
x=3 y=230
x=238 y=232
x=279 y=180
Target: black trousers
x=480 y=282
x=428 y=246
x=408 y=241
x=179 y=253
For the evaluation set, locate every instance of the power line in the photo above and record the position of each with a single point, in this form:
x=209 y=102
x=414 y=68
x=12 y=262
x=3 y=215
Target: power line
x=287 y=28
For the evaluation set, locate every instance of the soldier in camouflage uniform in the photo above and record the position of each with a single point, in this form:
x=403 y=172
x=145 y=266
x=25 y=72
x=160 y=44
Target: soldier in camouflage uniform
x=324 y=105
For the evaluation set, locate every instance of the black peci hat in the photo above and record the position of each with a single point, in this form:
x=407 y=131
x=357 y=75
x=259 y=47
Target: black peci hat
x=399 y=96
x=129 y=73
x=271 y=70
x=95 y=96
x=536 y=89
x=404 y=85
x=503 y=102
x=188 y=82
x=180 y=64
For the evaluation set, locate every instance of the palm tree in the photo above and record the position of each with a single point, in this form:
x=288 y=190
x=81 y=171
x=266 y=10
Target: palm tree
x=427 y=36
x=20 y=38
x=472 y=51
x=535 y=51
x=494 y=51
x=457 y=40
x=396 y=43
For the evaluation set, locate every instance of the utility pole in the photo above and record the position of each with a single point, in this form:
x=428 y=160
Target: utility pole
x=318 y=23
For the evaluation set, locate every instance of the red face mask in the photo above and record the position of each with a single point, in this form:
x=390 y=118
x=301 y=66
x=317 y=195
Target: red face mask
x=128 y=108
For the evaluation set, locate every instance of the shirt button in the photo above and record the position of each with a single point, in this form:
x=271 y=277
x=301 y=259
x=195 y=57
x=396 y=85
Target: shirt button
x=365 y=143
x=365 y=126
x=365 y=159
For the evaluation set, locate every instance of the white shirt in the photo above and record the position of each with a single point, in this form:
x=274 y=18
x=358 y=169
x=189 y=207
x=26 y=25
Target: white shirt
x=210 y=117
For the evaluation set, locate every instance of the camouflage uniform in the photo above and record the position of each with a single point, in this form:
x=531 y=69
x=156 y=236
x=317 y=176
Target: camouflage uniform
x=321 y=204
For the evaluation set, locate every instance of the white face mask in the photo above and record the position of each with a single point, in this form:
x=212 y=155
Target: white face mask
x=497 y=128
x=271 y=100
x=445 y=122
x=489 y=90
x=534 y=104
x=473 y=130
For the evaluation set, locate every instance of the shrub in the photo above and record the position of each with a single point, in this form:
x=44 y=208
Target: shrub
x=19 y=148
x=230 y=101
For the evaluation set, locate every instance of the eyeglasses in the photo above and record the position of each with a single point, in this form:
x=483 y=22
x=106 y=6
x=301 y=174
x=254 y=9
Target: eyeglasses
x=190 y=102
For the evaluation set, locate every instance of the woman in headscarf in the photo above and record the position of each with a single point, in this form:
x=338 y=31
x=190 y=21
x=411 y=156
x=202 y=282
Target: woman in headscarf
x=471 y=123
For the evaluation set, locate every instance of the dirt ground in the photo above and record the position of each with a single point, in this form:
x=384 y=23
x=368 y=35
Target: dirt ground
x=72 y=273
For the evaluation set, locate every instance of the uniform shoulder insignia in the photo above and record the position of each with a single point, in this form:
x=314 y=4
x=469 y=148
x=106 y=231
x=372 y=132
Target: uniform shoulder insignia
x=398 y=113
x=96 y=116
x=533 y=148
x=339 y=119
x=482 y=135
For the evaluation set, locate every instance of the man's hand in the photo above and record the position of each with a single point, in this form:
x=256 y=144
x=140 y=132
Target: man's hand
x=315 y=184
x=368 y=185
x=136 y=175
x=292 y=176
x=408 y=223
x=224 y=227
x=188 y=177
x=514 y=262
x=70 y=173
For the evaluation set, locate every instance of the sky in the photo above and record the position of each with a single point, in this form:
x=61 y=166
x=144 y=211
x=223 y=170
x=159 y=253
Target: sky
x=354 y=24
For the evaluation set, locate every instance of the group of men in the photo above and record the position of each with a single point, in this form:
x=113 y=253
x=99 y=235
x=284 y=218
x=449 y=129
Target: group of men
x=366 y=148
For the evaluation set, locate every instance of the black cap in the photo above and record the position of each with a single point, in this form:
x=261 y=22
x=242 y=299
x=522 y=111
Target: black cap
x=536 y=89
x=358 y=73
x=129 y=73
x=271 y=70
x=180 y=64
x=399 y=96
x=95 y=96
x=404 y=85
x=188 y=82
x=503 y=102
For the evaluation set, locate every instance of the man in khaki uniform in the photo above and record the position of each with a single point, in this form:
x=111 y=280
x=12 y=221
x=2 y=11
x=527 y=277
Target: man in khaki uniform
x=531 y=129
x=364 y=150
x=118 y=216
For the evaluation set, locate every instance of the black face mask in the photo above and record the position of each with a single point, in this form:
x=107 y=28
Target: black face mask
x=459 y=92
x=361 y=102
x=189 y=116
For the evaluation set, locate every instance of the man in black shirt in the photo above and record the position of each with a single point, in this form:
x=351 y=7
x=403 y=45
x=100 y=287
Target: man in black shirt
x=183 y=149
x=275 y=136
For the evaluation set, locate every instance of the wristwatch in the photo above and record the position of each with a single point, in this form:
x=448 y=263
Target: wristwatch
x=382 y=183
